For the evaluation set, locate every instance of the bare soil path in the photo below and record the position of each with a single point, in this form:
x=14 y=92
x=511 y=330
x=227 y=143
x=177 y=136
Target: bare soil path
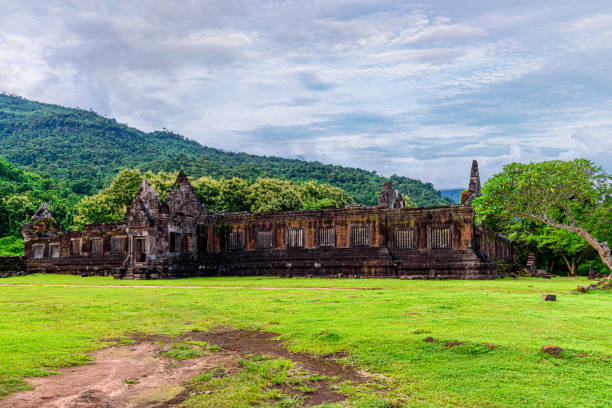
x=180 y=287
x=126 y=376
x=138 y=376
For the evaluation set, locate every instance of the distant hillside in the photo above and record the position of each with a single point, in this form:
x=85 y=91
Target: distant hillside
x=21 y=192
x=454 y=194
x=85 y=150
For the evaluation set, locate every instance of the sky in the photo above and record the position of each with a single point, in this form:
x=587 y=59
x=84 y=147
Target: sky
x=414 y=88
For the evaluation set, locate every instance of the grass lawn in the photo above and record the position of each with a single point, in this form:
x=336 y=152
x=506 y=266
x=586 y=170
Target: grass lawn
x=380 y=324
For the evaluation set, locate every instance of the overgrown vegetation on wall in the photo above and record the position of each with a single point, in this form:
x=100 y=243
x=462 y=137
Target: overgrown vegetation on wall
x=224 y=195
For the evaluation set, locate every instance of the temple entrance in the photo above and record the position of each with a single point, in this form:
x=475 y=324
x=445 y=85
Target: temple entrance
x=140 y=250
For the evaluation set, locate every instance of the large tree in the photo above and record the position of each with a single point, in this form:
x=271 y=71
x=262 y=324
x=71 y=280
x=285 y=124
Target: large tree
x=224 y=195
x=574 y=196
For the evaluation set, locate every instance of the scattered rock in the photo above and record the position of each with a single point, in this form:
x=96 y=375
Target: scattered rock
x=47 y=396
x=491 y=346
x=552 y=350
x=412 y=313
x=428 y=340
x=573 y=292
x=549 y=298
x=454 y=343
x=582 y=289
x=607 y=286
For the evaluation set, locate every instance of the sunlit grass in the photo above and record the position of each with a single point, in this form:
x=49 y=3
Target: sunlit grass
x=381 y=329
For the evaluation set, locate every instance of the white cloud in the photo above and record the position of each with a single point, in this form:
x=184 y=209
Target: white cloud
x=414 y=89
x=439 y=30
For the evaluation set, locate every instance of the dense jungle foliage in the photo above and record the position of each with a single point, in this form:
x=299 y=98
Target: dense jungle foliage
x=21 y=193
x=224 y=195
x=85 y=151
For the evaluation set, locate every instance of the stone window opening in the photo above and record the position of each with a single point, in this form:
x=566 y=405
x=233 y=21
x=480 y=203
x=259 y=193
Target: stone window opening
x=75 y=246
x=439 y=237
x=97 y=246
x=117 y=245
x=235 y=240
x=54 y=250
x=140 y=249
x=175 y=238
x=38 y=251
x=326 y=236
x=187 y=244
x=264 y=239
x=403 y=238
x=295 y=238
x=360 y=235
x=202 y=239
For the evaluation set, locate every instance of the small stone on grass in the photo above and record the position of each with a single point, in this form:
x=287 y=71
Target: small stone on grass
x=552 y=350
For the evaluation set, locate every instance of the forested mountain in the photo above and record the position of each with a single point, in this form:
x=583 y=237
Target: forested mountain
x=454 y=194
x=84 y=151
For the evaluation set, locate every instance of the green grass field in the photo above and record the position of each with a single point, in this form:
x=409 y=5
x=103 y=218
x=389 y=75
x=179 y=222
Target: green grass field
x=380 y=324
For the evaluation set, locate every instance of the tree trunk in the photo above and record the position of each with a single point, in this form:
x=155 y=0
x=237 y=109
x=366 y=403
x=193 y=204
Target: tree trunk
x=570 y=265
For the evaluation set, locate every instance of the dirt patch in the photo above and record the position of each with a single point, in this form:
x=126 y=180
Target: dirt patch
x=139 y=376
x=126 y=376
x=258 y=342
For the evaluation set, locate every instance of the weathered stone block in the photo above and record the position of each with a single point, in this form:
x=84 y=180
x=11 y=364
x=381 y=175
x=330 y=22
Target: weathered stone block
x=552 y=350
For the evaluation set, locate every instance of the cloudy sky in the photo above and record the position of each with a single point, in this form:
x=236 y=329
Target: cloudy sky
x=416 y=88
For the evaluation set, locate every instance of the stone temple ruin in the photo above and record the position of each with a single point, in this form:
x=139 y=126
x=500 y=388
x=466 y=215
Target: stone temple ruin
x=180 y=238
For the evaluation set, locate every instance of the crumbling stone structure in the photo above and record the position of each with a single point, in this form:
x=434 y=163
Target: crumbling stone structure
x=180 y=238
x=11 y=266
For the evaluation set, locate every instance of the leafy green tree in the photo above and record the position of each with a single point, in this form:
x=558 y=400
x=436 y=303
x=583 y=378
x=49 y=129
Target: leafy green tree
x=573 y=196
x=269 y=194
x=208 y=191
x=19 y=208
x=316 y=195
x=233 y=195
x=225 y=195
x=111 y=203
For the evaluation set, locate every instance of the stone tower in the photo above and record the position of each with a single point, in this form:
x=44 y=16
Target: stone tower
x=473 y=191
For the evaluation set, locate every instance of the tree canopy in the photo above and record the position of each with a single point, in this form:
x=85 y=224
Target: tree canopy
x=224 y=195
x=572 y=198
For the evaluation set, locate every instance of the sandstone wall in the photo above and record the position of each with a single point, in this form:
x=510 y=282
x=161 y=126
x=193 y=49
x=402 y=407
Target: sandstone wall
x=11 y=266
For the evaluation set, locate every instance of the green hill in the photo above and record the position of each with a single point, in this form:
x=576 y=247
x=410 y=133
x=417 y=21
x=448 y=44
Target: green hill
x=453 y=193
x=21 y=192
x=83 y=150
